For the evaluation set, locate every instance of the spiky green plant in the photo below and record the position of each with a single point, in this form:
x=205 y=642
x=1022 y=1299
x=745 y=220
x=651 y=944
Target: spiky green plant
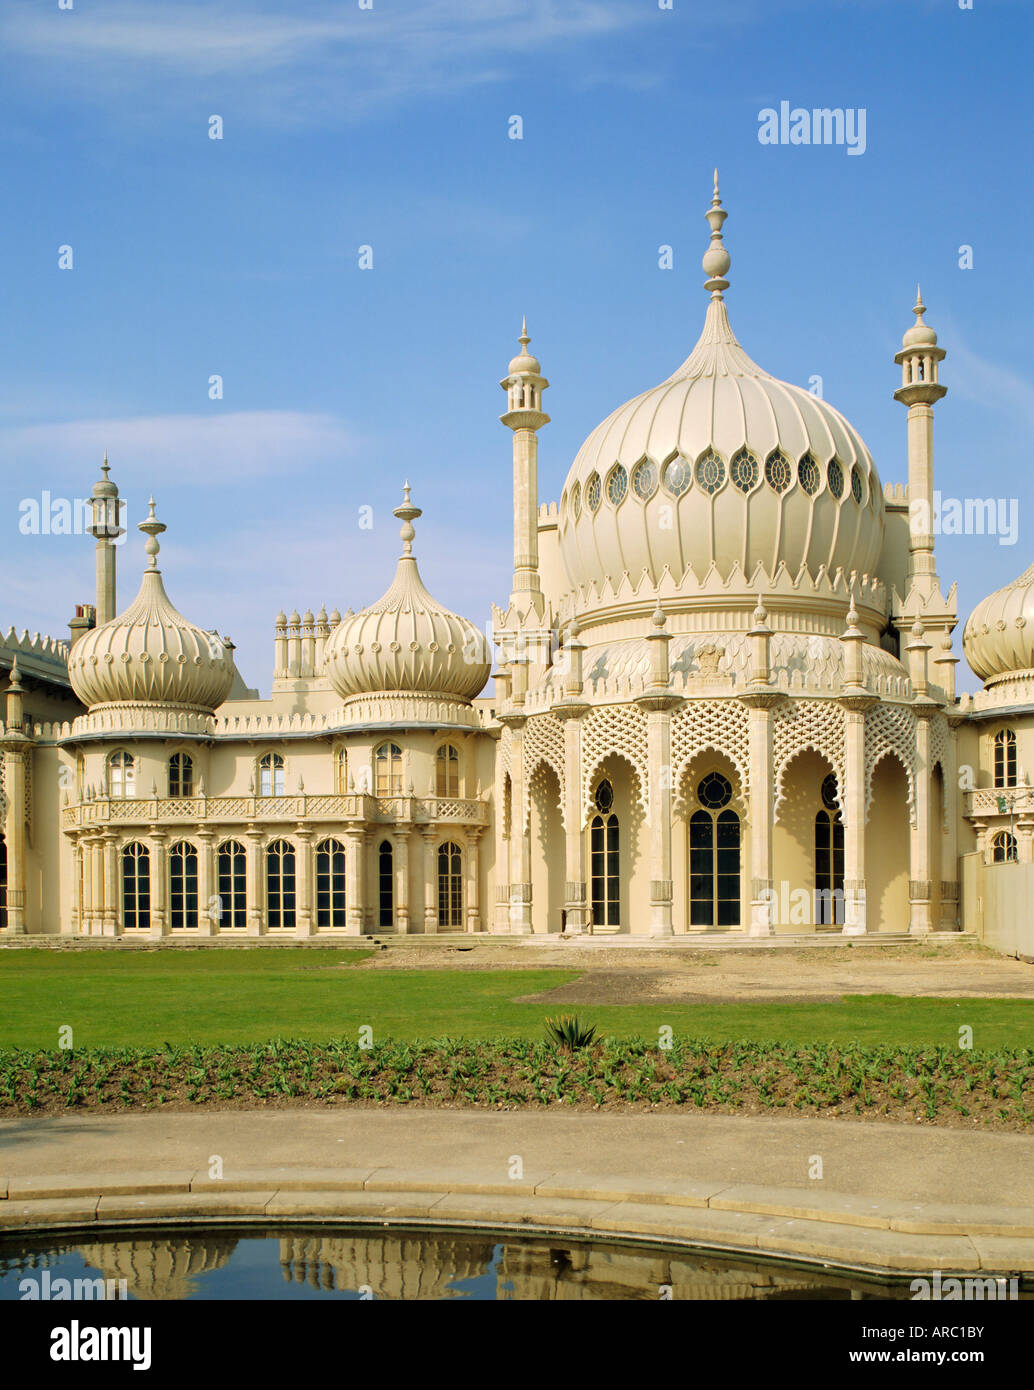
x=568 y=1031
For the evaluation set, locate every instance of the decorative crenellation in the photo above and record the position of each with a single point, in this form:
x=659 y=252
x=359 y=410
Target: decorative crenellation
x=721 y=725
x=895 y=492
x=814 y=724
x=891 y=730
x=615 y=731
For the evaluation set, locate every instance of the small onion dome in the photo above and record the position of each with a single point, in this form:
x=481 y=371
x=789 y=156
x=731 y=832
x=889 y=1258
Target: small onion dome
x=151 y=654
x=999 y=637
x=920 y=334
x=524 y=364
x=104 y=487
x=406 y=642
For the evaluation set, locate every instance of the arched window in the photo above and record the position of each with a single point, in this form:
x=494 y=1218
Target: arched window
x=386 y=885
x=1005 y=758
x=450 y=885
x=341 y=771
x=121 y=775
x=604 y=860
x=136 y=887
x=280 y=885
x=232 y=875
x=182 y=886
x=387 y=774
x=829 y=858
x=271 y=775
x=447 y=771
x=3 y=881
x=181 y=775
x=714 y=856
x=1003 y=848
x=330 y=884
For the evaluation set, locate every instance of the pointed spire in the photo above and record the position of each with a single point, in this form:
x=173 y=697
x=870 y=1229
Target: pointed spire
x=716 y=258
x=152 y=529
x=106 y=466
x=407 y=514
x=16 y=679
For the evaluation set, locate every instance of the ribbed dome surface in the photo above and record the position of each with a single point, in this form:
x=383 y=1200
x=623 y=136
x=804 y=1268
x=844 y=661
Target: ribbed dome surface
x=151 y=654
x=999 y=637
x=407 y=642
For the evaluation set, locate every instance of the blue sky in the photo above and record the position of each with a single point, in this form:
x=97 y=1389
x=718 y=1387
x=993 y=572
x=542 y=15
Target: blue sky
x=389 y=127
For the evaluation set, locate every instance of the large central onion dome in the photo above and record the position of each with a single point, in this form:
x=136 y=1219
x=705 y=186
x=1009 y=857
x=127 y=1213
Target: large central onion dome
x=998 y=639
x=151 y=654
x=407 y=643
x=721 y=464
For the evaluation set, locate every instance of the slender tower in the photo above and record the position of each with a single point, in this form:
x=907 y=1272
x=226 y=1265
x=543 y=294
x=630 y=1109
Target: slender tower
x=920 y=390
x=105 y=528
x=524 y=385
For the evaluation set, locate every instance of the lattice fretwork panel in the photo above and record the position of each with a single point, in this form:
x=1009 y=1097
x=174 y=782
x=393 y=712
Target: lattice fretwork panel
x=815 y=724
x=723 y=725
x=615 y=730
x=891 y=729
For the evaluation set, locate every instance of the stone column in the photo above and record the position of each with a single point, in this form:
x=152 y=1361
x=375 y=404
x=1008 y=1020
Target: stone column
x=402 y=879
x=920 y=887
x=520 y=840
x=501 y=917
x=950 y=833
x=77 y=885
x=15 y=759
x=207 y=918
x=355 y=880
x=658 y=733
x=159 y=900
x=472 y=886
x=430 y=838
x=852 y=810
x=762 y=812
x=576 y=903
x=255 y=880
x=97 y=851
x=112 y=914
x=303 y=871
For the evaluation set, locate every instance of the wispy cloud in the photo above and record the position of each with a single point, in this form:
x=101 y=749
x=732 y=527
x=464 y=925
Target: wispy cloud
x=214 y=449
x=994 y=385
x=320 y=58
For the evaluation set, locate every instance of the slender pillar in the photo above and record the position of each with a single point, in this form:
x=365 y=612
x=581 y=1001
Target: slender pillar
x=920 y=888
x=355 y=880
x=658 y=733
x=501 y=918
x=473 y=872
x=207 y=905
x=576 y=904
x=255 y=880
x=763 y=898
x=86 y=861
x=14 y=759
x=77 y=886
x=402 y=879
x=303 y=881
x=949 y=833
x=112 y=915
x=430 y=838
x=520 y=840
x=852 y=810
x=159 y=898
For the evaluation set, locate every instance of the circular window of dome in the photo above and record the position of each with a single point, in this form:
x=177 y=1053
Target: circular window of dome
x=778 y=474
x=677 y=476
x=617 y=485
x=835 y=478
x=830 y=792
x=592 y=492
x=714 y=791
x=710 y=472
x=808 y=475
x=744 y=471
x=576 y=501
x=856 y=484
x=644 y=480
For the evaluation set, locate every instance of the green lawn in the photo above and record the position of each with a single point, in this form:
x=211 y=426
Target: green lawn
x=212 y=996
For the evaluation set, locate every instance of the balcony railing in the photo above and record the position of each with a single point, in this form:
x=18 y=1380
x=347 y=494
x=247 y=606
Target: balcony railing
x=999 y=801
x=377 y=810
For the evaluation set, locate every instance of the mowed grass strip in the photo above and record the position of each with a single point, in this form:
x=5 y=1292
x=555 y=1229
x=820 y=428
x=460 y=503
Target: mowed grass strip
x=933 y=1085
x=212 y=996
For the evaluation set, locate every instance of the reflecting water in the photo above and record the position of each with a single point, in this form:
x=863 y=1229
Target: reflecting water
x=308 y=1263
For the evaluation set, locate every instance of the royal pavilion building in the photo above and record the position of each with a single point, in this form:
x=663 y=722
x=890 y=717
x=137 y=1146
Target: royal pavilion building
x=723 y=701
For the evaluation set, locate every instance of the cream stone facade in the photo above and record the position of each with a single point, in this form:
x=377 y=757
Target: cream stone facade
x=724 y=702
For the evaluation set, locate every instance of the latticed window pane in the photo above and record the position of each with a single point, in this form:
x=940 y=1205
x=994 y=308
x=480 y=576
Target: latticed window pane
x=1004 y=848
x=388 y=770
x=604 y=860
x=136 y=886
x=182 y=886
x=330 y=884
x=644 y=480
x=835 y=478
x=280 y=885
x=778 y=474
x=617 y=485
x=450 y=886
x=181 y=775
x=745 y=471
x=447 y=771
x=341 y=771
x=677 y=477
x=121 y=775
x=386 y=884
x=857 y=491
x=576 y=501
x=1005 y=758
x=808 y=475
x=232 y=876
x=710 y=473
x=592 y=492
x=271 y=775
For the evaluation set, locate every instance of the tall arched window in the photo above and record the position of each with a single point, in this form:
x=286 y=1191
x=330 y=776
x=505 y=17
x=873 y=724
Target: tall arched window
x=1003 y=848
x=604 y=860
x=182 y=886
x=181 y=775
x=330 y=884
x=340 y=771
x=387 y=770
x=121 y=775
x=714 y=856
x=447 y=771
x=1005 y=758
x=450 y=885
x=3 y=881
x=136 y=887
x=271 y=775
x=829 y=858
x=386 y=885
x=280 y=885
x=232 y=875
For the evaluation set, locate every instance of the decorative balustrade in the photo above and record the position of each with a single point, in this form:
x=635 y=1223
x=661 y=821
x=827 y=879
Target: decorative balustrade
x=357 y=807
x=1000 y=801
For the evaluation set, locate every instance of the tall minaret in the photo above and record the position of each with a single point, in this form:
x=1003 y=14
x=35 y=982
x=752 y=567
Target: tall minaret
x=106 y=528
x=524 y=385
x=919 y=390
